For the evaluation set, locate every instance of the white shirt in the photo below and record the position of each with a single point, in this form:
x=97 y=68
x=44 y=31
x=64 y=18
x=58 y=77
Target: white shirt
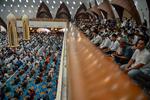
x=119 y=50
x=106 y=43
x=87 y=32
x=135 y=39
x=140 y=57
x=97 y=39
x=114 y=45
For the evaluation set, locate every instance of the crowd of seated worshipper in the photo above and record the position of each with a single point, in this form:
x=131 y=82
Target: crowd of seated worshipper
x=31 y=70
x=124 y=41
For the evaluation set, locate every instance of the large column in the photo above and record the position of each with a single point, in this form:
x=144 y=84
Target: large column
x=12 y=32
x=25 y=24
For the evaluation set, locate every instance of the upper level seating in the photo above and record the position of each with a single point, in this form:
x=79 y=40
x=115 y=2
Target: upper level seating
x=126 y=31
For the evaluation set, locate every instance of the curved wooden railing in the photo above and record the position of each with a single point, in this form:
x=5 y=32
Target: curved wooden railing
x=94 y=76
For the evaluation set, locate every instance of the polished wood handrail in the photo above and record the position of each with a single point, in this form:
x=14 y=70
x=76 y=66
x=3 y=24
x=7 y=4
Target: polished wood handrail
x=94 y=76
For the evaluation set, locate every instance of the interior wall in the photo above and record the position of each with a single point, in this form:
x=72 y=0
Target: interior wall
x=142 y=8
x=126 y=14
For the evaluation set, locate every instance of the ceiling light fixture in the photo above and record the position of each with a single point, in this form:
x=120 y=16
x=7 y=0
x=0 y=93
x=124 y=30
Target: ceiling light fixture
x=52 y=7
x=47 y=1
x=80 y=3
x=11 y=5
x=54 y=2
x=74 y=2
x=2 y=10
x=33 y=1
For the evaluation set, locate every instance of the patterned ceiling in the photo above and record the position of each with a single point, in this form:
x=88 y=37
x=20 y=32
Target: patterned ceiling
x=30 y=7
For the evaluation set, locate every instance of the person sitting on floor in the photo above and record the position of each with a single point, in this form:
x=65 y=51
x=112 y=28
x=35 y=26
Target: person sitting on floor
x=97 y=39
x=106 y=42
x=123 y=53
x=25 y=83
x=16 y=80
x=32 y=94
x=38 y=80
x=114 y=45
x=18 y=92
x=139 y=59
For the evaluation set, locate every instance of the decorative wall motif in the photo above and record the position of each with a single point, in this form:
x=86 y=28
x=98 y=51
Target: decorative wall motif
x=63 y=12
x=43 y=11
x=81 y=12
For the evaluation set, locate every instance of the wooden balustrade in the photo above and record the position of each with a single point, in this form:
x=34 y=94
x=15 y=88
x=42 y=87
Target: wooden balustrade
x=94 y=76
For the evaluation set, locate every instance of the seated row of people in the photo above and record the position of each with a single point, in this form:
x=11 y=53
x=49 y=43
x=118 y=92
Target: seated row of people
x=125 y=44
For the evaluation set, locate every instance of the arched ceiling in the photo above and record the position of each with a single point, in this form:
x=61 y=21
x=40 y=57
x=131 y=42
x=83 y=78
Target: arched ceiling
x=30 y=7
